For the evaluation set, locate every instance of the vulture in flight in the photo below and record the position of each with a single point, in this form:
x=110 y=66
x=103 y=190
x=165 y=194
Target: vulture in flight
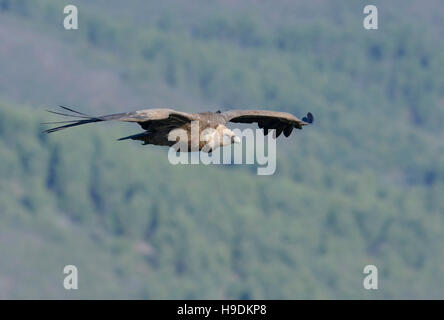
x=159 y=123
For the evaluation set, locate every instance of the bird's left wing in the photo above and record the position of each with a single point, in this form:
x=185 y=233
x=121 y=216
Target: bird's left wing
x=281 y=121
x=144 y=118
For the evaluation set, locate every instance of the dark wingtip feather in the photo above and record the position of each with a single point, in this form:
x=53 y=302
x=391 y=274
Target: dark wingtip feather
x=57 y=122
x=308 y=118
x=67 y=115
x=73 y=124
x=74 y=111
x=84 y=118
x=288 y=130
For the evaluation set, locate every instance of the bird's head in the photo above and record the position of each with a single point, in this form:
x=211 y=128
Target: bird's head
x=220 y=137
x=226 y=136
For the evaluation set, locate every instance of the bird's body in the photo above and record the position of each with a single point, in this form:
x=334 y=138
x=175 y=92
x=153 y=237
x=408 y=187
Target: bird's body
x=158 y=133
x=164 y=127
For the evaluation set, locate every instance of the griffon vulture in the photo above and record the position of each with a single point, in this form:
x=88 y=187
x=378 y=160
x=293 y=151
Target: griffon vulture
x=159 y=123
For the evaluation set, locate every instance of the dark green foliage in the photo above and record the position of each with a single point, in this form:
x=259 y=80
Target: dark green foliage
x=363 y=185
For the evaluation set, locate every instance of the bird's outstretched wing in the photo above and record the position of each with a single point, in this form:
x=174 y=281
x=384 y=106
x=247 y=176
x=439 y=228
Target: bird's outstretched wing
x=145 y=118
x=267 y=120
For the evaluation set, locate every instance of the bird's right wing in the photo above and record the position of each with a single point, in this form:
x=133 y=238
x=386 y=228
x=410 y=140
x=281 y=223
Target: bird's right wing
x=267 y=120
x=145 y=118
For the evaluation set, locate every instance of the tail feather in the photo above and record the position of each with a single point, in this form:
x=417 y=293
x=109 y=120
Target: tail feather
x=67 y=115
x=138 y=136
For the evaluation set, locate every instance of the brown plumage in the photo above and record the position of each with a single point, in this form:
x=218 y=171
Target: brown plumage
x=159 y=123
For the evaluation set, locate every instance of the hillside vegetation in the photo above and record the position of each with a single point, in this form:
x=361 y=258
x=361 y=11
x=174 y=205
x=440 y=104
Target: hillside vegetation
x=363 y=185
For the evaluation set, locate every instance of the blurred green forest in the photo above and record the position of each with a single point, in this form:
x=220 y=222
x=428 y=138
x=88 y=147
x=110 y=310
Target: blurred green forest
x=363 y=185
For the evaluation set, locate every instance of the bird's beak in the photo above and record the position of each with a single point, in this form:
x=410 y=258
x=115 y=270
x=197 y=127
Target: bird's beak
x=235 y=139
